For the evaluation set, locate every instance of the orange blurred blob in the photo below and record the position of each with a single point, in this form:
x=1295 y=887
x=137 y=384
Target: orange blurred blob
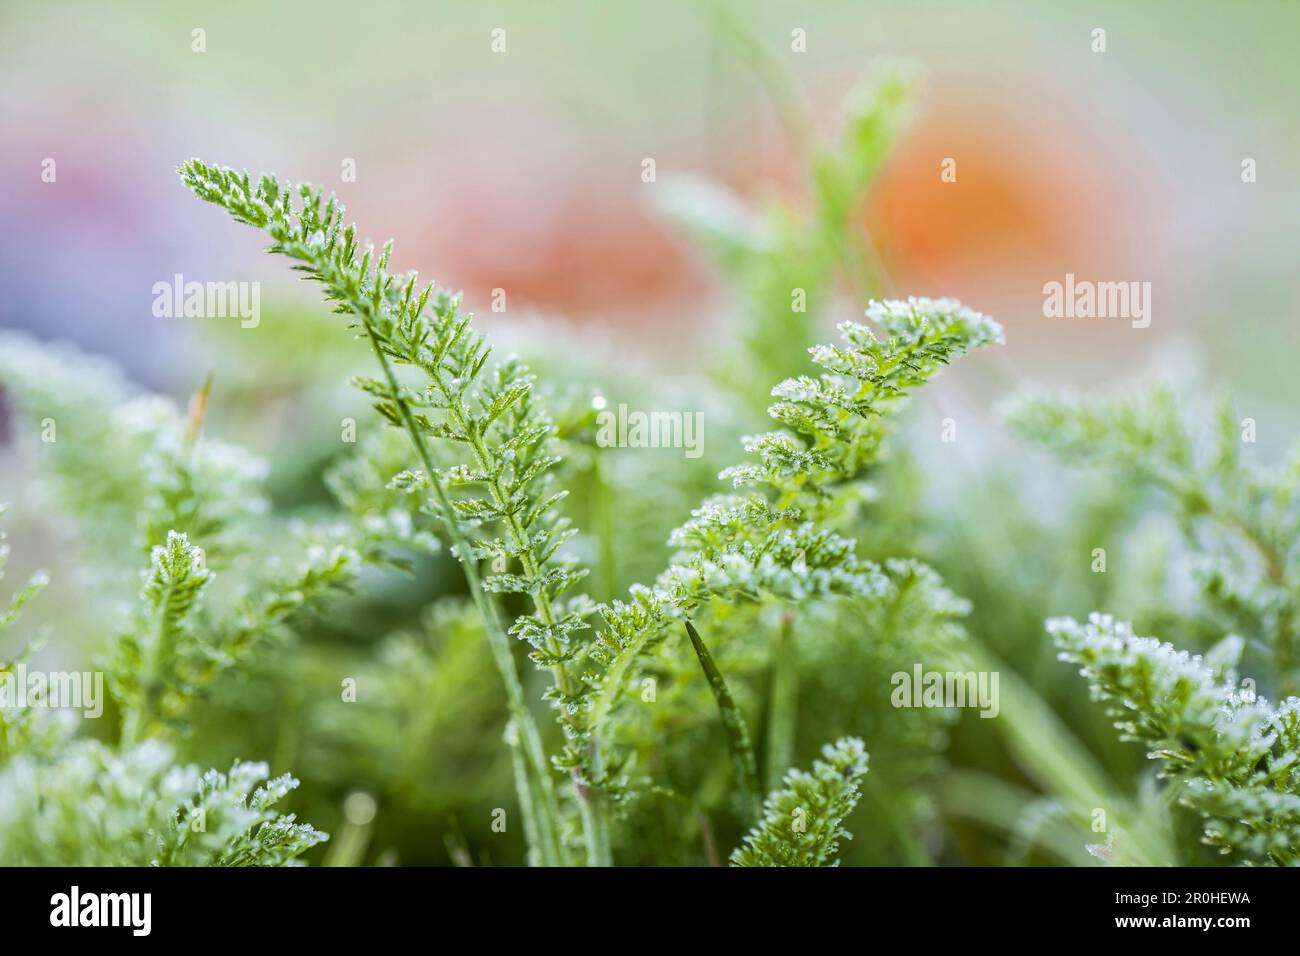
x=1022 y=208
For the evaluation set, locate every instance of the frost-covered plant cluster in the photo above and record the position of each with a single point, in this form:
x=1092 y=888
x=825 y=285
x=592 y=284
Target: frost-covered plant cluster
x=158 y=487
x=1231 y=753
x=478 y=636
x=801 y=823
x=74 y=801
x=1207 y=719
x=485 y=449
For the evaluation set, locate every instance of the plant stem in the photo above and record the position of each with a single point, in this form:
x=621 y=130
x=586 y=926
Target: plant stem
x=1198 y=500
x=733 y=721
x=546 y=811
x=914 y=853
x=772 y=74
x=348 y=847
x=604 y=521
x=526 y=791
x=138 y=720
x=782 y=702
x=594 y=826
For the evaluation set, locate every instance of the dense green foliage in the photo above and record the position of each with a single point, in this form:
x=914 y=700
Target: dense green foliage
x=468 y=611
x=1230 y=753
x=1233 y=754
x=735 y=548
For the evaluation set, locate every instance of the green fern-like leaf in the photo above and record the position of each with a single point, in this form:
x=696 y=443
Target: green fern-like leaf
x=489 y=410
x=764 y=544
x=802 y=822
x=148 y=661
x=1234 y=753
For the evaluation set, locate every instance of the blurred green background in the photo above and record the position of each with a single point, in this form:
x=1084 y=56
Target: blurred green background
x=522 y=171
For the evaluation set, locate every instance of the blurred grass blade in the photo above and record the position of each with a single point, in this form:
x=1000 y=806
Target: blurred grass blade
x=783 y=700
x=733 y=721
